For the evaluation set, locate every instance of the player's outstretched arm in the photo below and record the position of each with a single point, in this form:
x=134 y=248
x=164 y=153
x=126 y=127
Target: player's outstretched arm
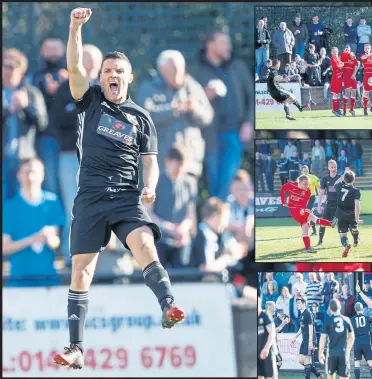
x=78 y=78
x=365 y=298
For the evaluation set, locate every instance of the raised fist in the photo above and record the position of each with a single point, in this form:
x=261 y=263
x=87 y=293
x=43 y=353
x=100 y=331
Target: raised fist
x=80 y=16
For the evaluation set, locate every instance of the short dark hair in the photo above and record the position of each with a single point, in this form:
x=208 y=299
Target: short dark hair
x=303 y=301
x=334 y=305
x=275 y=62
x=349 y=177
x=116 y=55
x=176 y=153
x=211 y=206
x=269 y=61
x=51 y=36
x=211 y=34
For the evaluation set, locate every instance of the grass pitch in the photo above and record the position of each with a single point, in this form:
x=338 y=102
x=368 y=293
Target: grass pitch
x=280 y=240
x=313 y=120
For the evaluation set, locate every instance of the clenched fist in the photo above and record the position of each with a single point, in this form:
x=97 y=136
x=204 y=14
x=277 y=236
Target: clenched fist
x=80 y=16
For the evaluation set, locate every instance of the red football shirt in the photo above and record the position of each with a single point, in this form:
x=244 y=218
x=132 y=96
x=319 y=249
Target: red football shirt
x=367 y=64
x=350 y=62
x=337 y=67
x=298 y=198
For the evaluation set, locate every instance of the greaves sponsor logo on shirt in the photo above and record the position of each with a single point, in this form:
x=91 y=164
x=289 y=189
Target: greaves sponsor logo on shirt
x=118 y=130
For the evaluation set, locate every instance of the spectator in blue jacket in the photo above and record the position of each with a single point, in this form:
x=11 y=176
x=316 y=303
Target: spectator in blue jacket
x=356 y=153
x=315 y=31
x=179 y=108
x=31 y=222
x=342 y=163
x=351 y=35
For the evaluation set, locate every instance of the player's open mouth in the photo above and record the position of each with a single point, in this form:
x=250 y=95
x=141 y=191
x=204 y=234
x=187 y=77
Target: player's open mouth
x=114 y=87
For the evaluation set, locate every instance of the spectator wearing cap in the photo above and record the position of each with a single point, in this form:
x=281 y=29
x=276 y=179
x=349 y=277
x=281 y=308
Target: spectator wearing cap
x=342 y=163
x=175 y=211
x=351 y=34
x=24 y=113
x=282 y=301
x=347 y=301
x=63 y=125
x=31 y=223
x=284 y=41
x=270 y=294
x=301 y=34
x=216 y=68
x=269 y=170
x=330 y=287
x=262 y=42
x=313 y=290
x=180 y=110
x=315 y=32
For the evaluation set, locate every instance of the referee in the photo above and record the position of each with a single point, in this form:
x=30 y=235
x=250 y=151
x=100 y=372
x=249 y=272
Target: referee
x=314 y=186
x=113 y=133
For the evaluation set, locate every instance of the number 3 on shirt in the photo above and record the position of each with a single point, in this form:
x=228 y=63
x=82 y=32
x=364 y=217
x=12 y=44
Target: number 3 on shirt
x=345 y=193
x=340 y=325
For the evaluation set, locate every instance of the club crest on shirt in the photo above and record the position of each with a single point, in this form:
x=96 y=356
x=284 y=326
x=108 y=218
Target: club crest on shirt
x=115 y=129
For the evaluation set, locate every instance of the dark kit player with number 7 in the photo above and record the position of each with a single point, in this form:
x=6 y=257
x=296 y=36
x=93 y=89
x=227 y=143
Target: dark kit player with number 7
x=113 y=133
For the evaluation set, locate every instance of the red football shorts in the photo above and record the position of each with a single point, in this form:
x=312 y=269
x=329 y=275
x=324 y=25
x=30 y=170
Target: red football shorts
x=336 y=85
x=366 y=86
x=297 y=216
x=350 y=83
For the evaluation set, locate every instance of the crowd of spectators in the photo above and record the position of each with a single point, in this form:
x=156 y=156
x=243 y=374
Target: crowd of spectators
x=304 y=50
x=204 y=117
x=293 y=156
x=280 y=290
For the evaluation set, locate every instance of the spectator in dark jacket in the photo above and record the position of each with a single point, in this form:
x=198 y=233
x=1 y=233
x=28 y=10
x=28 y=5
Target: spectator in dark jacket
x=180 y=110
x=330 y=287
x=282 y=165
x=347 y=302
x=232 y=124
x=264 y=149
x=301 y=35
x=351 y=35
x=269 y=169
x=325 y=73
x=313 y=67
x=63 y=125
x=24 y=114
x=294 y=166
x=259 y=172
x=48 y=80
x=356 y=153
x=262 y=42
x=315 y=32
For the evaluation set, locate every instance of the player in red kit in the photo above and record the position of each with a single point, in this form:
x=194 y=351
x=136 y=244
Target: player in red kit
x=298 y=196
x=336 y=81
x=366 y=59
x=351 y=66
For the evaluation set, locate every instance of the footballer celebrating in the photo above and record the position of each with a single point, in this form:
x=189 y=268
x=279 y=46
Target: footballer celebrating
x=366 y=60
x=348 y=210
x=362 y=344
x=341 y=338
x=113 y=133
x=327 y=187
x=298 y=197
x=278 y=93
x=336 y=81
x=351 y=66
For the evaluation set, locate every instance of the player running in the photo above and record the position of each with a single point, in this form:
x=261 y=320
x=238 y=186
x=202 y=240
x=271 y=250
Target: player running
x=341 y=337
x=348 y=210
x=327 y=187
x=313 y=185
x=366 y=60
x=298 y=198
x=308 y=344
x=351 y=66
x=362 y=344
x=336 y=81
x=113 y=133
x=266 y=362
x=278 y=93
